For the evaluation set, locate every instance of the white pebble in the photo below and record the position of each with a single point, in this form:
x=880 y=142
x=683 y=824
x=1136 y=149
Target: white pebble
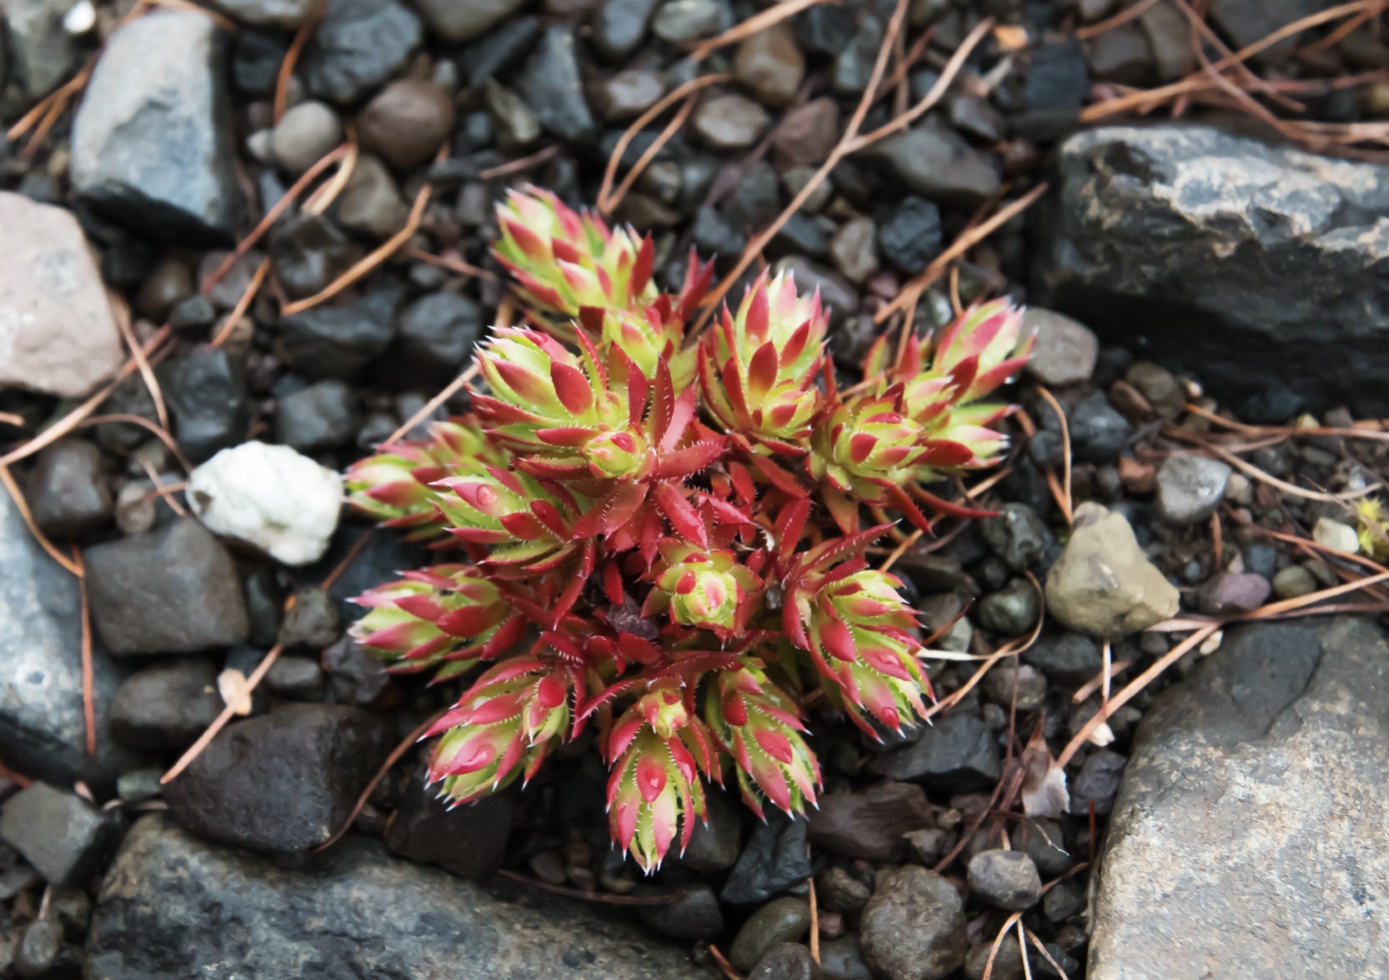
x=1335 y=535
x=81 y=18
x=270 y=497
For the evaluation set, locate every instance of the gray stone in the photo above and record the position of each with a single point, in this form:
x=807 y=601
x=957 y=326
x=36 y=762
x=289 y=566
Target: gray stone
x=714 y=842
x=42 y=723
x=206 y=392
x=1007 y=879
x=297 y=678
x=321 y=416
x=494 y=55
x=151 y=142
x=56 y=331
x=1012 y=610
x=39 y=948
x=174 y=590
x=729 y=122
x=283 y=782
x=1258 y=265
x=341 y=341
x=1066 y=350
x=1190 y=487
x=869 y=824
x=695 y=916
x=776 y=857
x=1103 y=584
x=957 y=754
x=853 y=66
x=59 y=833
x=1233 y=593
x=935 y=162
x=770 y=65
x=163 y=908
x=914 y=926
x=1017 y=535
x=43 y=50
x=463 y=840
x=1246 y=23
x=1097 y=782
x=67 y=492
x=166 y=707
x=679 y=21
x=1007 y=962
x=1252 y=814
x=279 y=13
x=1169 y=36
x=1098 y=433
x=307 y=252
x=783 y=920
x=854 y=249
x=627 y=94
x=1064 y=900
x=1068 y=658
x=713 y=234
x=1121 y=54
x=371 y=204
x=551 y=86
x=1293 y=581
x=1042 y=841
x=619 y=26
x=305 y=134
x=454 y=21
x=786 y=961
x=842 y=958
x=911 y=236
x=1003 y=682
x=358 y=46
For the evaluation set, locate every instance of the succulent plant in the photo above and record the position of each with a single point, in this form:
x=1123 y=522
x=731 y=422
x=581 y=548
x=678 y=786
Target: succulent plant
x=635 y=536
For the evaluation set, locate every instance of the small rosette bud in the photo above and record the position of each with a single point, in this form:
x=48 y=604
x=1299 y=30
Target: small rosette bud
x=394 y=486
x=861 y=640
x=657 y=750
x=565 y=261
x=757 y=370
x=707 y=589
x=448 y=616
x=760 y=727
x=522 y=523
x=502 y=728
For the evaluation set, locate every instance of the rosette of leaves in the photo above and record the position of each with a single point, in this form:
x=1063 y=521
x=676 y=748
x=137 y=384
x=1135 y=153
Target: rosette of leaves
x=659 y=537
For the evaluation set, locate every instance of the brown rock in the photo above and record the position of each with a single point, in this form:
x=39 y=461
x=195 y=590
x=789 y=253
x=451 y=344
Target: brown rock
x=56 y=331
x=807 y=133
x=405 y=124
x=1137 y=477
x=870 y=824
x=1129 y=402
x=770 y=64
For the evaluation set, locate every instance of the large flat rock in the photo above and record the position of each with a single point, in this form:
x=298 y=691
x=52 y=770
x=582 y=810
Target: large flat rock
x=1251 y=835
x=173 y=907
x=1262 y=269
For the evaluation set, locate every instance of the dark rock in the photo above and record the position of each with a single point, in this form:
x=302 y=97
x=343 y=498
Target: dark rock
x=322 y=416
x=39 y=948
x=1098 y=433
x=67 y=492
x=853 y=66
x=626 y=94
x=151 y=142
x=1245 y=277
x=619 y=26
x=163 y=909
x=696 y=916
x=42 y=723
x=283 y=782
x=786 y=961
x=460 y=21
x=296 y=678
x=869 y=824
x=754 y=202
x=1003 y=682
x=935 y=162
x=357 y=675
x=1017 y=535
x=825 y=29
x=1246 y=23
x=359 y=45
x=313 y=620
x=775 y=858
x=1223 y=814
x=1057 y=82
x=1098 y=782
x=1064 y=900
x=59 y=833
x=1067 y=658
x=174 y=590
x=256 y=59
x=1012 y=611
x=840 y=891
x=1120 y=55
x=714 y=842
x=406 y=123
x=265 y=607
x=1007 y=962
x=783 y=920
x=713 y=234
x=974 y=115
x=770 y=65
x=1007 y=879
x=206 y=392
x=309 y=252
x=1042 y=841
x=911 y=236
x=437 y=334
x=807 y=133
x=166 y=707
x=914 y=926
x=957 y=754
x=341 y=341
x=551 y=86
x=464 y=840
x=799 y=235
x=495 y=55
x=169 y=283
x=192 y=317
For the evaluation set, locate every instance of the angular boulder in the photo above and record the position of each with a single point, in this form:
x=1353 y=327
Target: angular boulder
x=151 y=143
x=173 y=907
x=1248 y=837
x=1260 y=268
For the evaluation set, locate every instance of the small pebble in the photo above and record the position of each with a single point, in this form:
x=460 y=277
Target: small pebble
x=1007 y=879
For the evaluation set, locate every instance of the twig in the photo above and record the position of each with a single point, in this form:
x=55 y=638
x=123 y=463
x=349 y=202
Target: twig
x=1041 y=949
x=428 y=407
x=897 y=552
x=1122 y=17
x=321 y=199
x=649 y=154
x=243 y=304
x=17 y=496
x=449 y=261
x=1258 y=474
x=1095 y=683
x=1050 y=399
x=723 y=963
x=228 y=712
x=814 y=920
x=170 y=443
x=88 y=674
x=301 y=37
x=998 y=941
x=519 y=165
x=754 y=24
x=120 y=312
